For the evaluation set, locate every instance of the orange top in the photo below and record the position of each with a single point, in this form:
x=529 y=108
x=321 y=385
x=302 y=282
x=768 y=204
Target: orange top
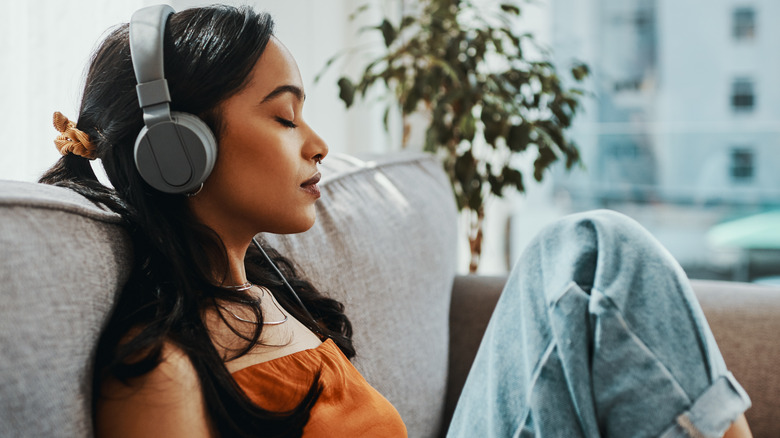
x=347 y=407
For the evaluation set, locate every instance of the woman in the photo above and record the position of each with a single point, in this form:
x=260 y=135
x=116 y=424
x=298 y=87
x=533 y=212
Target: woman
x=206 y=338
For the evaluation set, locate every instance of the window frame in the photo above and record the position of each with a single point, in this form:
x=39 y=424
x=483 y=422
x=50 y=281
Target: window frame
x=742 y=164
x=743 y=94
x=743 y=23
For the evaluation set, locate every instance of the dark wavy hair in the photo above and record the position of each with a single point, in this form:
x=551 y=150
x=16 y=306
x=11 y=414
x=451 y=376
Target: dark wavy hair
x=209 y=54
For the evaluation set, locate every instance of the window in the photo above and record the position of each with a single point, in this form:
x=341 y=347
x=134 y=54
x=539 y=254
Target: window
x=742 y=95
x=744 y=24
x=626 y=150
x=628 y=85
x=742 y=161
x=643 y=20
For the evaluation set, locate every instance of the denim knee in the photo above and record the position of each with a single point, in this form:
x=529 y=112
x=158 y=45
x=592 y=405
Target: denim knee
x=594 y=249
x=593 y=312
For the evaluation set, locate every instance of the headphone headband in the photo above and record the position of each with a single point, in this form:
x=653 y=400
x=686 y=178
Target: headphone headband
x=147 y=28
x=174 y=152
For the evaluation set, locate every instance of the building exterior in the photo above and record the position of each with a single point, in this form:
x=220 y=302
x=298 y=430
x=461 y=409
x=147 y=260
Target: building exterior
x=683 y=126
x=686 y=105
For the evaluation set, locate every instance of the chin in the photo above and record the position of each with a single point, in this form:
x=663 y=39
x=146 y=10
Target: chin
x=295 y=226
x=302 y=229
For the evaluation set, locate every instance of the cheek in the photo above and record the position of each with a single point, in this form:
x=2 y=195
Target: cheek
x=243 y=154
x=255 y=168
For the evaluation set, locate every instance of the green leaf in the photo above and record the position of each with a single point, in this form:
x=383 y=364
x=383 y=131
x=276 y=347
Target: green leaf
x=328 y=63
x=496 y=185
x=469 y=179
x=468 y=127
x=409 y=104
x=563 y=118
x=492 y=132
x=512 y=37
x=385 y=118
x=546 y=157
x=551 y=130
x=513 y=177
x=465 y=168
x=475 y=198
x=346 y=91
x=572 y=155
x=580 y=72
x=512 y=9
x=358 y=11
x=441 y=65
x=407 y=21
x=491 y=119
x=388 y=32
x=461 y=201
x=519 y=137
x=431 y=139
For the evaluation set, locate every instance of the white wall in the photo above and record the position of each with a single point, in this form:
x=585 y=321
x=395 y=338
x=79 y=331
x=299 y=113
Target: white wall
x=45 y=45
x=44 y=48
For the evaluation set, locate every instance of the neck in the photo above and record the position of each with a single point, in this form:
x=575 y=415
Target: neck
x=235 y=238
x=236 y=271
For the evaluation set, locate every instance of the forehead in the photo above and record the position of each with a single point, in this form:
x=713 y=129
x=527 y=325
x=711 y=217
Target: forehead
x=276 y=67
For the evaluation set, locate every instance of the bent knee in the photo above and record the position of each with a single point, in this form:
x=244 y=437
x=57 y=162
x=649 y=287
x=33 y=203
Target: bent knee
x=598 y=244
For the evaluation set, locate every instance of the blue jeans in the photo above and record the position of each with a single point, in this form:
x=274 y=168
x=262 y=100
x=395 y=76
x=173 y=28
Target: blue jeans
x=597 y=333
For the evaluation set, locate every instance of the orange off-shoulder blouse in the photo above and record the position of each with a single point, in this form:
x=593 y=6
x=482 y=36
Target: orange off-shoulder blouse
x=347 y=407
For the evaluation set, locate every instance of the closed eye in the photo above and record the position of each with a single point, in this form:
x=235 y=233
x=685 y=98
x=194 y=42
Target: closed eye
x=286 y=123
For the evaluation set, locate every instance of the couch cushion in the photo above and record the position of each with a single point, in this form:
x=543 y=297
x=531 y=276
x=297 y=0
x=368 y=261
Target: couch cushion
x=384 y=244
x=745 y=320
x=63 y=259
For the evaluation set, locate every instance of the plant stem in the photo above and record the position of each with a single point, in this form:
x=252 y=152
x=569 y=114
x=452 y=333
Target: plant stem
x=476 y=223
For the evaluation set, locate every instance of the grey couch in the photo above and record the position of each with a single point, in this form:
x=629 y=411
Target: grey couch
x=384 y=244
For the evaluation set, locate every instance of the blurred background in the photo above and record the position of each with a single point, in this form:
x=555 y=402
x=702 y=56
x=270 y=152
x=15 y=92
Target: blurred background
x=681 y=129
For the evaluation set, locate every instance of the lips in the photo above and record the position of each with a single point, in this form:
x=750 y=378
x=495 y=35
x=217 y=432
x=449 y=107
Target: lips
x=310 y=185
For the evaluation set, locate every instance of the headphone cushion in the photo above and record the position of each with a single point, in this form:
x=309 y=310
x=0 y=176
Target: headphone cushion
x=176 y=156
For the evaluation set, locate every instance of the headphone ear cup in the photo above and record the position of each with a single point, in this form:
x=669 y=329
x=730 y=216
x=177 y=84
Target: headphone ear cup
x=176 y=156
x=203 y=151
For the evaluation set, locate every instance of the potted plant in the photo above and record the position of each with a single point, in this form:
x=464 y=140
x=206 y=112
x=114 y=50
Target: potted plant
x=486 y=101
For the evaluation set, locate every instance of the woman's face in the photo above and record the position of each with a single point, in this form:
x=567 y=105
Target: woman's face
x=267 y=156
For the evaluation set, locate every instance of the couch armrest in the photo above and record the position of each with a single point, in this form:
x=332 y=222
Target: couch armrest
x=473 y=299
x=745 y=320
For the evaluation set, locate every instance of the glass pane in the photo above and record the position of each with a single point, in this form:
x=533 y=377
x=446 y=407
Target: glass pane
x=682 y=132
x=744 y=23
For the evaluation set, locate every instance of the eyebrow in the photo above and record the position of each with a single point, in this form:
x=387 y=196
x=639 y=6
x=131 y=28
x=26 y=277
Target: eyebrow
x=278 y=91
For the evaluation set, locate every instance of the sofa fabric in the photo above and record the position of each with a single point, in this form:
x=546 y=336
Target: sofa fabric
x=745 y=320
x=473 y=299
x=62 y=261
x=384 y=244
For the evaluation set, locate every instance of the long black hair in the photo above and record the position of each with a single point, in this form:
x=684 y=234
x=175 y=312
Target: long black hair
x=209 y=54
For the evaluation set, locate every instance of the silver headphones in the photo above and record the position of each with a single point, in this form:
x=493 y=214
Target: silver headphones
x=174 y=152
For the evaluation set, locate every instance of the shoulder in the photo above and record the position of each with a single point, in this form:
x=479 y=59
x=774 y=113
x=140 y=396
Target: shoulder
x=166 y=401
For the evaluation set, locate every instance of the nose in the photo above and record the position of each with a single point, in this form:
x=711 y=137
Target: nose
x=315 y=149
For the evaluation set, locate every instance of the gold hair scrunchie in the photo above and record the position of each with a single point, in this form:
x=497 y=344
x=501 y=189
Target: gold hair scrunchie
x=72 y=140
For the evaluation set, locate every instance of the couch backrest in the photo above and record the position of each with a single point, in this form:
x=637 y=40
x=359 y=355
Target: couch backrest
x=61 y=261
x=384 y=244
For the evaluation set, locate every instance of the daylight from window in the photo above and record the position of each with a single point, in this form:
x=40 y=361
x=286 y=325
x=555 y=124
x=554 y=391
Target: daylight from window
x=682 y=131
x=680 y=127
